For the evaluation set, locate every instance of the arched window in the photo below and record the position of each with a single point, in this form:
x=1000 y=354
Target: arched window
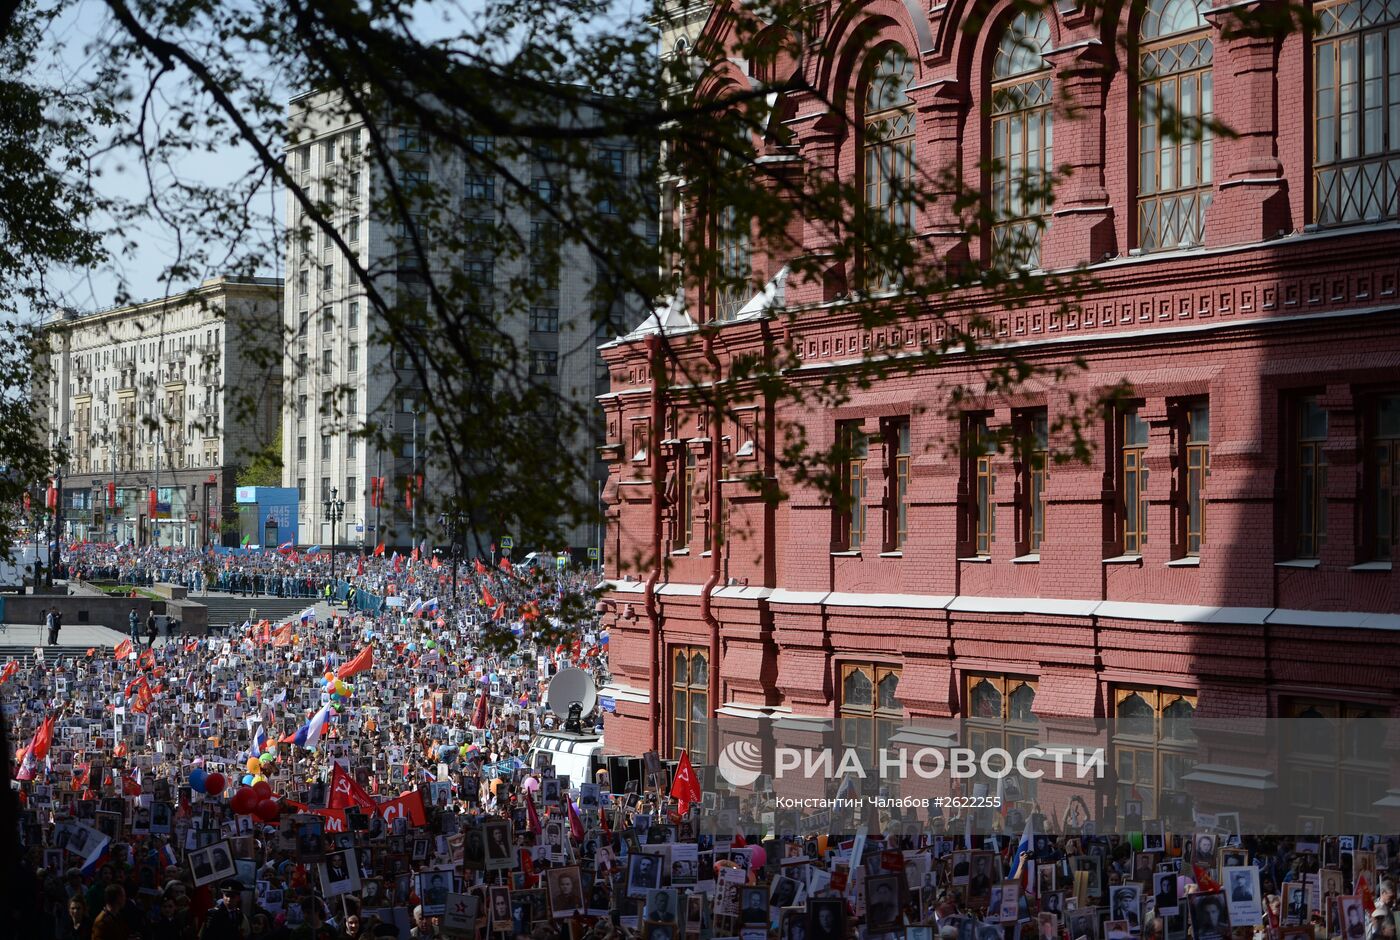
x=731 y=240
x=1356 y=118
x=1174 y=112
x=869 y=710
x=887 y=163
x=1022 y=140
x=999 y=713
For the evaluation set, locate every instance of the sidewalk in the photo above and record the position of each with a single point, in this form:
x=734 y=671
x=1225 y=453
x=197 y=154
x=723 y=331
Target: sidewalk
x=78 y=636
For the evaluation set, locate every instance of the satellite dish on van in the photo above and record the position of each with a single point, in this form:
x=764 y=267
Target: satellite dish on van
x=571 y=686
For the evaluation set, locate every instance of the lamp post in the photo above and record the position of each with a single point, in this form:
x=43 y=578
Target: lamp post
x=56 y=543
x=452 y=523
x=333 y=508
x=37 y=516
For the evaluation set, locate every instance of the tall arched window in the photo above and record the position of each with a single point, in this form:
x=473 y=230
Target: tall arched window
x=888 y=158
x=1356 y=62
x=1174 y=138
x=1022 y=140
x=731 y=240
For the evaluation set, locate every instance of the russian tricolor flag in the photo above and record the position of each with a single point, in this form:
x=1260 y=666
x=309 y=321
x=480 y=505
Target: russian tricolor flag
x=308 y=616
x=310 y=733
x=430 y=606
x=259 y=741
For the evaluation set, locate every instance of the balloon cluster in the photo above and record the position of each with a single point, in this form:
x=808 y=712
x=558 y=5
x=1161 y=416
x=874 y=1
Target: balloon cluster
x=258 y=801
x=211 y=784
x=339 y=691
x=254 y=799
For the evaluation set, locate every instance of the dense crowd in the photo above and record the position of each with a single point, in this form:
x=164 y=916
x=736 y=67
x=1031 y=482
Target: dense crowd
x=347 y=775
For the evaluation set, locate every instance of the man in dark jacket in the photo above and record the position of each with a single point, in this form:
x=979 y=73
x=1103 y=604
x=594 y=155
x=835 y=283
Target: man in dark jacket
x=226 y=920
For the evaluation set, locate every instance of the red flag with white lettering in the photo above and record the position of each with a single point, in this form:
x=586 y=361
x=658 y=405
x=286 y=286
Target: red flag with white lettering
x=406 y=805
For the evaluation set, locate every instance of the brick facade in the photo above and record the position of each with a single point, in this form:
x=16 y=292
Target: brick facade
x=1268 y=309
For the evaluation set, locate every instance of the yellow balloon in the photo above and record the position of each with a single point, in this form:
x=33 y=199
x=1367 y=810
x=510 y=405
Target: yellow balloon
x=254 y=765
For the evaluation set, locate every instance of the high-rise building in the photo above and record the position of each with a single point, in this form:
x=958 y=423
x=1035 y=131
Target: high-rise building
x=342 y=373
x=159 y=405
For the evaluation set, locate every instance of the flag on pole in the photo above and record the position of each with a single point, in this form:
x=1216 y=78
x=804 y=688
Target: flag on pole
x=1025 y=850
x=532 y=817
x=346 y=792
x=309 y=734
x=38 y=749
x=259 y=741
x=122 y=651
x=685 y=787
x=575 y=824
x=363 y=661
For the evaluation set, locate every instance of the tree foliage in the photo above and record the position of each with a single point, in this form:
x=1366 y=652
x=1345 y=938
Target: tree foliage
x=535 y=96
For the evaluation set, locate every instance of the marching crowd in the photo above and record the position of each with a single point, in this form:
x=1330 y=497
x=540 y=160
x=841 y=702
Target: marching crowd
x=348 y=774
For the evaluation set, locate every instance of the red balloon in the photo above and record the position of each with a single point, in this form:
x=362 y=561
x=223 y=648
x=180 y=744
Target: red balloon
x=262 y=790
x=214 y=784
x=268 y=810
x=244 y=801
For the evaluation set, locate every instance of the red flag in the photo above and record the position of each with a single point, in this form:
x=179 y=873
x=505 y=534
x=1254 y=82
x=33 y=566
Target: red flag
x=480 y=718
x=575 y=824
x=379 y=550
x=43 y=738
x=487 y=598
x=527 y=868
x=500 y=611
x=505 y=566
x=10 y=669
x=684 y=786
x=130 y=786
x=532 y=817
x=361 y=663
x=434 y=563
x=480 y=568
x=360 y=568
x=283 y=636
x=407 y=805
x=346 y=792
x=603 y=822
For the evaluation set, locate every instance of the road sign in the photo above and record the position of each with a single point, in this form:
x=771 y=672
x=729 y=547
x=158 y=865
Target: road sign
x=593 y=554
x=507 y=542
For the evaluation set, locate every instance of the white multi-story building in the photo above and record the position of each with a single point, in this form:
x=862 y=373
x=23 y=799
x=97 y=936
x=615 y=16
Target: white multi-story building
x=342 y=374
x=161 y=404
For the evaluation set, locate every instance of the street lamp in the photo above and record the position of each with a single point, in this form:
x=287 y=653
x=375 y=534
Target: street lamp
x=38 y=514
x=452 y=522
x=333 y=509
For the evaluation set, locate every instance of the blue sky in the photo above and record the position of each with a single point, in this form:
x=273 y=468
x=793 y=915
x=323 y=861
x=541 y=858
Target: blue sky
x=155 y=246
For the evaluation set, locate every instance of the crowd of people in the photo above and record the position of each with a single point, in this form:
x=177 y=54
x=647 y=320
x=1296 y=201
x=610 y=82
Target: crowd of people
x=348 y=774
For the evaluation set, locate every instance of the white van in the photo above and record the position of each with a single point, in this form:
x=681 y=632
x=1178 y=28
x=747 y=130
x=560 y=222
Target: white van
x=579 y=756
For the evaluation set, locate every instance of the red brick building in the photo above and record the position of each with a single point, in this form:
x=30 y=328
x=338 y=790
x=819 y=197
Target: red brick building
x=1211 y=595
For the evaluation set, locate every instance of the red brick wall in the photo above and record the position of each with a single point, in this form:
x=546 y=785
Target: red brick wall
x=1245 y=322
